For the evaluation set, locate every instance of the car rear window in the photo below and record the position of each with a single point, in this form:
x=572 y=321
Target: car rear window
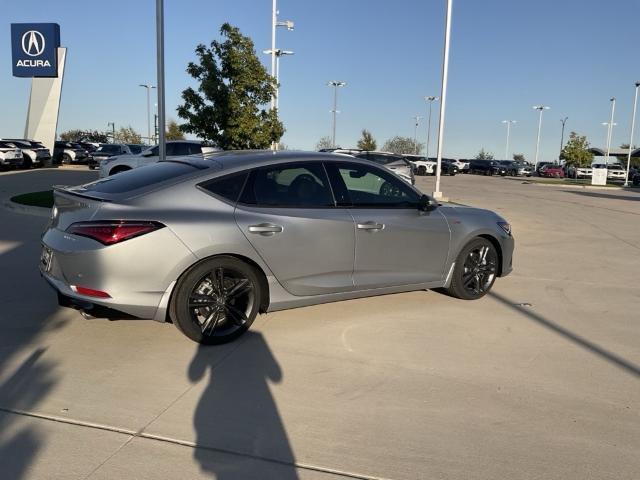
x=138 y=178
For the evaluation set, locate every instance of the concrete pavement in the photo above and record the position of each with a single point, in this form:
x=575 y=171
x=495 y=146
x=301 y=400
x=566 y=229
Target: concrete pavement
x=538 y=380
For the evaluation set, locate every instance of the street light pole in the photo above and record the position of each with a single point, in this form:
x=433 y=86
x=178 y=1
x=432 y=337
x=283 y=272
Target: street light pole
x=563 y=120
x=162 y=145
x=430 y=100
x=335 y=84
x=633 y=125
x=274 y=51
x=443 y=95
x=540 y=109
x=610 y=130
x=415 y=134
x=148 y=87
x=506 y=148
x=113 y=130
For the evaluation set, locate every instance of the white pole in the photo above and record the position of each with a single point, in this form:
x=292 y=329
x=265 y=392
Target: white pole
x=274 y=20
x=540 y=109
x=633 y=126
x=443 y=97
x=506 y=148
x=278 y=81
x=610 y=132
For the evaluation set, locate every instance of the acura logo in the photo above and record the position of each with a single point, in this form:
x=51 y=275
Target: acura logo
x=33 y=43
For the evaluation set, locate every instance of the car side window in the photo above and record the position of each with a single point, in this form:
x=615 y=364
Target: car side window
x=363 y=186
x=297 y=185
x=194 y=149
x=228 y=187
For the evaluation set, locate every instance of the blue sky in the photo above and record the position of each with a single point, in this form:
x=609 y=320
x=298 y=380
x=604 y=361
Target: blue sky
x=506 y=55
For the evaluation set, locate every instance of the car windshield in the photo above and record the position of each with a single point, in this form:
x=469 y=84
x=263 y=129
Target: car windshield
x=135 y=149
x=108 y=149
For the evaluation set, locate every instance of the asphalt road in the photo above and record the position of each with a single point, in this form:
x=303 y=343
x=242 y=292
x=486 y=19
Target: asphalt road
x=541 y=379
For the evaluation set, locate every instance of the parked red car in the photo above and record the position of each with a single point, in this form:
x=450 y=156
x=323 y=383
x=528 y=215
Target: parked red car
x=554 y=171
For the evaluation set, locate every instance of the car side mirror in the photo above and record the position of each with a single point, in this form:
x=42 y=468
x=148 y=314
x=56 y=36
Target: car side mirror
x=427 y=204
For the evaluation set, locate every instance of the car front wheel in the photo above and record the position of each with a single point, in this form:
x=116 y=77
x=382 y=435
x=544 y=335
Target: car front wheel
x=475 y=271
x=216 y=301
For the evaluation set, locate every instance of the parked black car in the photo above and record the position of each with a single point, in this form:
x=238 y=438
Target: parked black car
x=511 y=166
x=448 y=167
x=108 y=150
x=487 y=167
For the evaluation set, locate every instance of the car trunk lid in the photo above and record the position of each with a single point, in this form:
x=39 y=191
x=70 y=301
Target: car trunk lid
x=70 y=207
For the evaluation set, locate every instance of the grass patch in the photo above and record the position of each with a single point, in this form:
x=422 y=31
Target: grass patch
x=42 y=199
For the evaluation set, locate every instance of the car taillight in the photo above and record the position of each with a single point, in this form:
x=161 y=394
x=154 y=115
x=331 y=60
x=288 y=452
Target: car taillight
x=109 y=232
x=90 y=292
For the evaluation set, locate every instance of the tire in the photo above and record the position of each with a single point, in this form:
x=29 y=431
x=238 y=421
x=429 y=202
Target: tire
x=222 y=318
x=26 y=162
x=422 y=170
x=66 y=159
x=467 y=285
x=117 y=170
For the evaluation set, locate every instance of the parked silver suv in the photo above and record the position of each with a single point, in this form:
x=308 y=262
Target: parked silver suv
x=398 y=164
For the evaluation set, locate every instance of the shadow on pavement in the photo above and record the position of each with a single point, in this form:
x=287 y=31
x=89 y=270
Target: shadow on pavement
x=237 y=414
x=610 y=196
x=611 y=357
x=26 y=308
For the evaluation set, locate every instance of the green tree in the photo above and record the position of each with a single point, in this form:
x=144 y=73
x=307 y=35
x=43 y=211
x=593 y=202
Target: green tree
x=324 y=142
x=484 y=155
x=127 y=135
x=403 y=146
x=519 y=157
x=227 y=107
x=576 y=152
x=173 y=131
x=367 y=142
x=84 y=135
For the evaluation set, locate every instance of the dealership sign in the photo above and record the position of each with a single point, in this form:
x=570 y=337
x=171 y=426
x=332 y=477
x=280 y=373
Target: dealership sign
x=34 y=49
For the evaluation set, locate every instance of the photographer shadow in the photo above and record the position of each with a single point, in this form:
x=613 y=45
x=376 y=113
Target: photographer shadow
x=238 y=427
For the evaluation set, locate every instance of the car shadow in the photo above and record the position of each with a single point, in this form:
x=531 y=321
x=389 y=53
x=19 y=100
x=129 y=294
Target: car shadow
x=238 y=427
x=27 y=311
x=576 y=339
x=610 y=196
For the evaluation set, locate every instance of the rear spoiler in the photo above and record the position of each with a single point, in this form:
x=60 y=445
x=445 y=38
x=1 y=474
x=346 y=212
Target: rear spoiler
x=76 y=192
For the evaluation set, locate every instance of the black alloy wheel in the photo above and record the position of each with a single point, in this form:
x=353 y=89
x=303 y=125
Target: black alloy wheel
x=217 y=301
x=475 y=271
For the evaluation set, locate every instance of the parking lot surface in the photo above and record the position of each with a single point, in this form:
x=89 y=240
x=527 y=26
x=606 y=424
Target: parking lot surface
x=540 y=379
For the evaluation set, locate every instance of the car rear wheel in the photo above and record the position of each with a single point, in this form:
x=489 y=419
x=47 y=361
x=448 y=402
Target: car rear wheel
x=216 y=301
x=422 y=170
x=66 y=159
x=475 y=271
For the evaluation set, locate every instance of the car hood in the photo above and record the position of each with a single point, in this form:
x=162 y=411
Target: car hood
x=451 y=210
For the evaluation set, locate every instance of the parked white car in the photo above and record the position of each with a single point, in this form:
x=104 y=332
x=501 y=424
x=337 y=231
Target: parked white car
x=177 y=148
x=10 y=156
x=35 y=154
x=616 y=172
x=422 y=165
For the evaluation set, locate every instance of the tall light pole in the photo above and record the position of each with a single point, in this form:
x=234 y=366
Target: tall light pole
x=279 y=53
x=563 y=121
x=148 y=87
x=274 y=56
x=335 y=84
x=162 y=145
x=415 y=133
x=506 y=148
x=610 y=129
x=540 y=109
x=113 y=130
x=609 y=126
x=633 y=126
x=443 y=95
x=430 y=100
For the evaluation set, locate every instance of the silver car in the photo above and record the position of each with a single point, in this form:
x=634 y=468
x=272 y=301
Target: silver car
x=209 y=243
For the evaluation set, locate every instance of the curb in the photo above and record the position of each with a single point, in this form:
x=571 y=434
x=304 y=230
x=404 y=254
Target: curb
x=583 y=187
x=26 y=209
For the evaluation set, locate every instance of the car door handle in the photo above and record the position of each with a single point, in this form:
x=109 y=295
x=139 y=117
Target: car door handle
x=265 y=229
x=370 y=226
